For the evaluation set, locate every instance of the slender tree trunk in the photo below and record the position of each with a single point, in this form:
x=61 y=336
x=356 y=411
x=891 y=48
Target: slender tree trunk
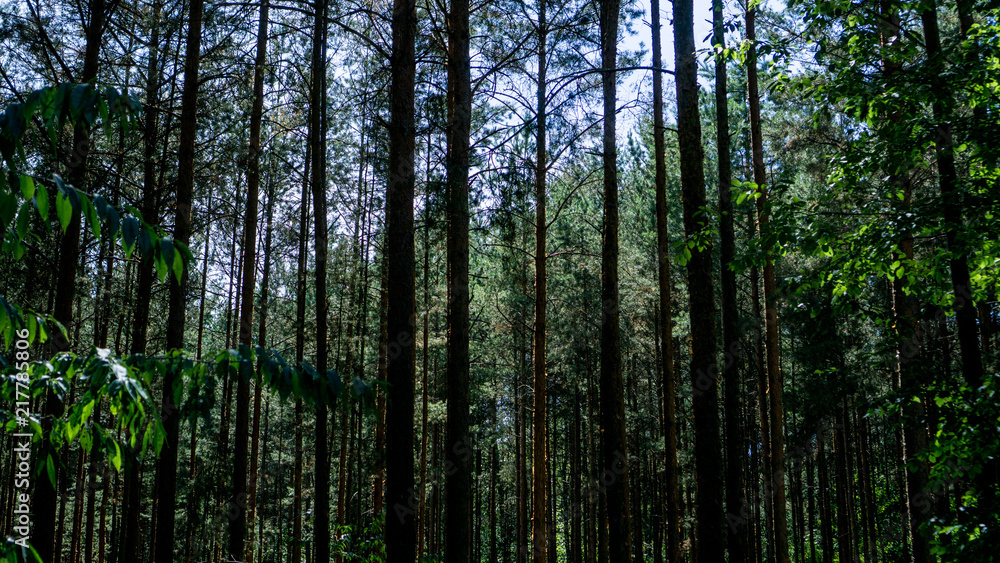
x=576 y=469
x=239 y=549
x=762 y=417
x=521 y=451
x=539 y=481
x=258 y=387
x=400 y=529
x=844 y=515
x=709 y=516
x=811 y=508
x=666 y=336
x=321 y=525
x=300 y=344
x=494 y=516
x=908 y=336
x=166 y=464
x=774 y=377
x=951 y=198
x=458 y=455
x=736 y=507
x=380 y=409
x=615 y=456
x=204 y=284
x=825 y=516
x=425 y=350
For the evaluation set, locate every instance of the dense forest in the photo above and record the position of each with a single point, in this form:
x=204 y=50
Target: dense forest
x=502 y=281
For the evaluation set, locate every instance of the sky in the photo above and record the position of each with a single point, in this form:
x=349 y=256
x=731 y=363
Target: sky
x=643 y=40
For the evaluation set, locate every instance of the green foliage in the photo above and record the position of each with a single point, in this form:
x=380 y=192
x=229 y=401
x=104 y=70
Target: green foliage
x=100 y=375
x=22 y=194
x=964 y=452
x=365 y=545
x=126 y=385
x=14 y=552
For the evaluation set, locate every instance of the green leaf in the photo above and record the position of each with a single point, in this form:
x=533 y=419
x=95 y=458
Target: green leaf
x=90 y=212
x=178 y=265
x=113 y=221
x=101 y=206
x=50 y=468
x=161 y=268
x=42 y=202
x=146 y=242
x=27 y=186
x=64 y=211
x=130 y=232
x=114 y=453
x=24 y=219
x=167 y=252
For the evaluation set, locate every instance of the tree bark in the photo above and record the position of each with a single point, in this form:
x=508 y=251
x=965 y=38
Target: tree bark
x=825 y=518
x=736 y=506
x=400 y=528
x=951 y=199
x=539 y=479
x=258 y=388
x=239 y=549
x=300 y=321
x=774 y=377
x=458 y=455
x=709 y=514
x=45 y=535
x=321 y=525
x=615 y=456
x=166 y=464
x=422 y=522
x=666 y=336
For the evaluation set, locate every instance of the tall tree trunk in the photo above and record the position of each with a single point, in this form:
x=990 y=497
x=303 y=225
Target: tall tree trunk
x=666 y=330
x=951 y=198
x=380 y=406
x=907 y=328
x=239 y=549
x=521 y=449
x=425 y=351
x=458 y=455
x=709 y=514
x=736 y=506
x=494 y=513
x=762 y=416
x=400 y=528
x=811 y=508
x=576 y=468
x=300 y=344
x=321 y=522
x=128 y=543
x=842 y=475
x=774 y=378
x=258 y=388
x=539 y=479
x=615 y=456
x=166 y=464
